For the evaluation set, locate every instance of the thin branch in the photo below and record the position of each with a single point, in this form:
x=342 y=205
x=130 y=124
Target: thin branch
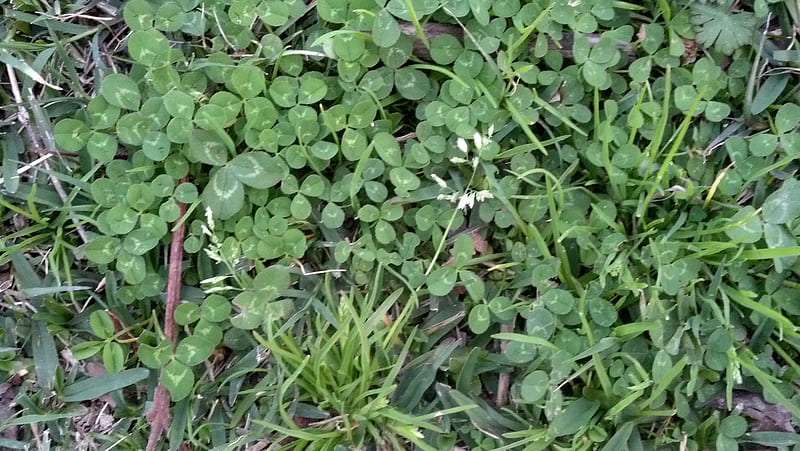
x=504 y=378
x=159 y=416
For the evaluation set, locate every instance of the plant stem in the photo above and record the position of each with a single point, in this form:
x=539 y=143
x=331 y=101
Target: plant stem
x=158 y=416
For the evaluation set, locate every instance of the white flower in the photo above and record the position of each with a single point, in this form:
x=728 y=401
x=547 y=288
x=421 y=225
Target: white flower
x=466 y=201
x=210 y=218
x=462 y=145
x=491 y=130
x=475 y=162
x=482 y=195
x=457 y=160
x=439 y=180
x=478 y=140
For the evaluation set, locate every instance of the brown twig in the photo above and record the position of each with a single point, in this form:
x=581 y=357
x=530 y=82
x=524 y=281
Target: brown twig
x=158 y=416
x=504 y=378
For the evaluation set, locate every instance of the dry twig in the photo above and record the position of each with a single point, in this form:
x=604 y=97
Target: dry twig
x=504 y=378
x=159 y=416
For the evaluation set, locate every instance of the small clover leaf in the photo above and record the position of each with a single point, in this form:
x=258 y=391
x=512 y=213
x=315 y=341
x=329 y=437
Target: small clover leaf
x=247 y=81
x=783 y=205
x=215 y=308
x=102 y=249
x=207 y=147
x=179 y=104
x=178 y=379
x=147 y=47
x=442 y=280
x=194 y=350
x=258 y=169
x=121 y=91
x=747 y=226
x=224 y=194
x=71 y=134
x=385 y=30
x=411 y=83
x=187 y=313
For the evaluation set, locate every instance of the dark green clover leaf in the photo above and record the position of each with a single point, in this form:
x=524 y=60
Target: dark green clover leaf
x=102 y=249
x=778 y=236
x=782 y=206
x=211 y=117
x=102 y=147
x=121 y=91
x=388 y=148
x=312 y=88
x=385 y=30
x=479 y=319
x=178 y=379
x=155 y=356
x=411 y=83
x=283 y=91
x=224 y=194
x=558 y=301
x=194 y=350
x=678 y=275
x=274 y=12
x=187 y=313
x=445 y=48
x=207 y=147
x=101 y=113
x=271 y=46
x=251 y=310
x=442 y=280
x=71 y=134
x=349 y=46
x=258 y=169
x=787 y=118
x=179 y=104
x=147 y=47
x=122 y=219
x=140 y=241
x=746 y=224
x=332 y=216
x=155 y=146
x=272 y=281
x=138 y=14
x=534 y=386
x=404 y=180
x=186 y=192
x=132 y=128
x=170 y=17
x=215 y=309
x=247 y=81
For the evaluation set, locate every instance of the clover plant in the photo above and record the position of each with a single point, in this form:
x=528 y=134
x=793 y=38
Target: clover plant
x=575 y=204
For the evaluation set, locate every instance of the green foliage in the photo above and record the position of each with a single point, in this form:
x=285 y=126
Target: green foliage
x=382 y=226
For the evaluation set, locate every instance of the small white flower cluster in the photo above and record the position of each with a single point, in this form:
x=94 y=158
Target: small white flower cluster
x=469 y=197
x=208 y=229
x=479 y=141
